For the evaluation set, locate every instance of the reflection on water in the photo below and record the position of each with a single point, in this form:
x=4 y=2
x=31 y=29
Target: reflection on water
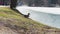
x=44 y=18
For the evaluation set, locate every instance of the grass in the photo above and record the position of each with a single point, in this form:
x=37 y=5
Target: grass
x=17 y=18
x=11 y=17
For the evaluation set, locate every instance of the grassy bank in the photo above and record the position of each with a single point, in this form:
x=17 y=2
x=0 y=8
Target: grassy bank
x=19 y=23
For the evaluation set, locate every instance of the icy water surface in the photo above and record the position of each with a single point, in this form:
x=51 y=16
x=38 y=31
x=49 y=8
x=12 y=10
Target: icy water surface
x=51 y=18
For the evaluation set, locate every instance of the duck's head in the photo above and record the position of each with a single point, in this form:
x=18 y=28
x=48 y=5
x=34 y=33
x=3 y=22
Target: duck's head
x=28 y=13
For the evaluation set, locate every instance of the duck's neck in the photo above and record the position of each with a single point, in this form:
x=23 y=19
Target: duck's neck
x=28 y=14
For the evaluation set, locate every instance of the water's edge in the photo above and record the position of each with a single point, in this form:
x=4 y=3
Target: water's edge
x=52 y=20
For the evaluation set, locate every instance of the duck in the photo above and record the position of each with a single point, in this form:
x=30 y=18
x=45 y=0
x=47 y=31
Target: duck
x=27 y=16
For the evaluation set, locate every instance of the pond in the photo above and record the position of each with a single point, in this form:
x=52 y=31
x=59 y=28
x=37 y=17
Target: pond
x=48 y=16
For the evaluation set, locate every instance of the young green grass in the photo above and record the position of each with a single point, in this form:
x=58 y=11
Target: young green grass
x=6 y=12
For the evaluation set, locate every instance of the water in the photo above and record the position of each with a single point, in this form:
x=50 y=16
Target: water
x=51 y=18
